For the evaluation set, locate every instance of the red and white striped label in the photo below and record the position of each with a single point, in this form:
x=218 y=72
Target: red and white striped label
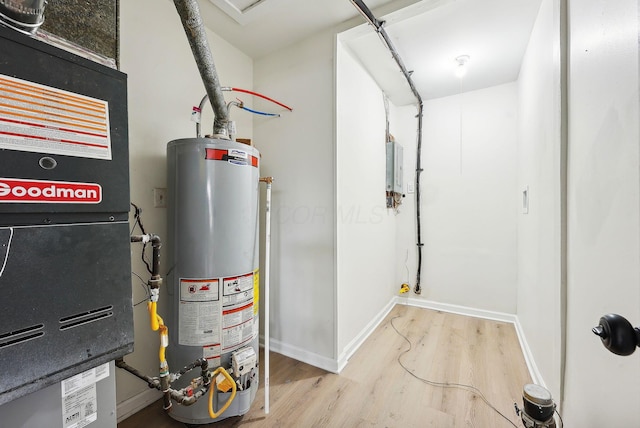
x=14 y=190
x=234 y=157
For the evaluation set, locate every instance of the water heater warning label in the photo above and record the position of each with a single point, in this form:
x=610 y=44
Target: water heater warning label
x=237 y=336
x=198 y=290
x=42 y=119
x=217 y=313
x=199 y=312
x=211 y=353
x=234 y=157
x=199 y=323
x=238 y=320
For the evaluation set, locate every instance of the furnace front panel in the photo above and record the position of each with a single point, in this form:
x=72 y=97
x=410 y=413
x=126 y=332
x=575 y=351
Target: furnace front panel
x=65 y=274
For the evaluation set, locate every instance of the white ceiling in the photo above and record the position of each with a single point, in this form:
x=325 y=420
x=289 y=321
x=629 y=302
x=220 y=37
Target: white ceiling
x=428 y=35
x=273 y=24
x=431 y=34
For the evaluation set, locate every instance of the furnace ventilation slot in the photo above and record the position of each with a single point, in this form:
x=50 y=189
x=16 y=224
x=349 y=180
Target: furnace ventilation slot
x=86 y=317
x=21 y=336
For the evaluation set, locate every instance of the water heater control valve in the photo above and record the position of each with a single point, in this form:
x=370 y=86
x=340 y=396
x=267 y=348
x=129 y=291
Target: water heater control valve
x=243 y=361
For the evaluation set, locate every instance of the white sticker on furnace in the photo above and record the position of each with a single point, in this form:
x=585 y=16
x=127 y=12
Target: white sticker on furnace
x=79 y=402
x=44 y=119
x=80 y=408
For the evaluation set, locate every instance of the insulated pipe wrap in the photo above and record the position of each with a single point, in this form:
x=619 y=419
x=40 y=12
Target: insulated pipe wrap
x=194 y=29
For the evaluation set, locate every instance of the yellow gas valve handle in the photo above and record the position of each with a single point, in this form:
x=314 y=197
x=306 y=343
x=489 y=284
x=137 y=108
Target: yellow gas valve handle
x=213 y=414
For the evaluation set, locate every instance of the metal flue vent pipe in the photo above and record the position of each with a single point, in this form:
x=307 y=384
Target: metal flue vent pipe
x=194 y=29
x=25 y=16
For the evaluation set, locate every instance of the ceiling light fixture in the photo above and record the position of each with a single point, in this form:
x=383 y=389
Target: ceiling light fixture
x=461 y=65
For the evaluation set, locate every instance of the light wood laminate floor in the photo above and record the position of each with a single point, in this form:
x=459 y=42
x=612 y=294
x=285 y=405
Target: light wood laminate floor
x=374 y=390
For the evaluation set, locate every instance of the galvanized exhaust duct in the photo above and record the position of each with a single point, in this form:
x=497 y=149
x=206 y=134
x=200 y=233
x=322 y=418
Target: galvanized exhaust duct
x=25 y=16
x=194 y=29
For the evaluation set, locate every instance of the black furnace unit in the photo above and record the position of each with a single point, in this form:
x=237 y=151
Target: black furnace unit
x=65 y=274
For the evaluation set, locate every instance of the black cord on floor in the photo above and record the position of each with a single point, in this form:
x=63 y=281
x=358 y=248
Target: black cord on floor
x=561 y=421
x=468 y=388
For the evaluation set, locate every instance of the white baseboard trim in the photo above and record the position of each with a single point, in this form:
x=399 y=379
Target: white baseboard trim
x=303 y=355
x=355 y=344
x=536 y=377
x=456 y=309
x=136 y=403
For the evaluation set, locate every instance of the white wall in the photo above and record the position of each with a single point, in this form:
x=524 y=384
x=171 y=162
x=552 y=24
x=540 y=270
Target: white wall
x=469 y=200
x=602 y=389
x=298 y=150
x=331 y=232
x=366 y=229
x=539 y=168
x=163 y=84
x=603 y=216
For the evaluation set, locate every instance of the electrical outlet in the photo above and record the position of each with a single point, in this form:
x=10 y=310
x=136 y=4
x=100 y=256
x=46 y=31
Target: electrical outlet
x=160 y=197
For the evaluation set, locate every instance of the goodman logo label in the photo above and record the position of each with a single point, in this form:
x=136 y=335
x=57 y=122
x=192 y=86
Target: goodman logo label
x=48 y=192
